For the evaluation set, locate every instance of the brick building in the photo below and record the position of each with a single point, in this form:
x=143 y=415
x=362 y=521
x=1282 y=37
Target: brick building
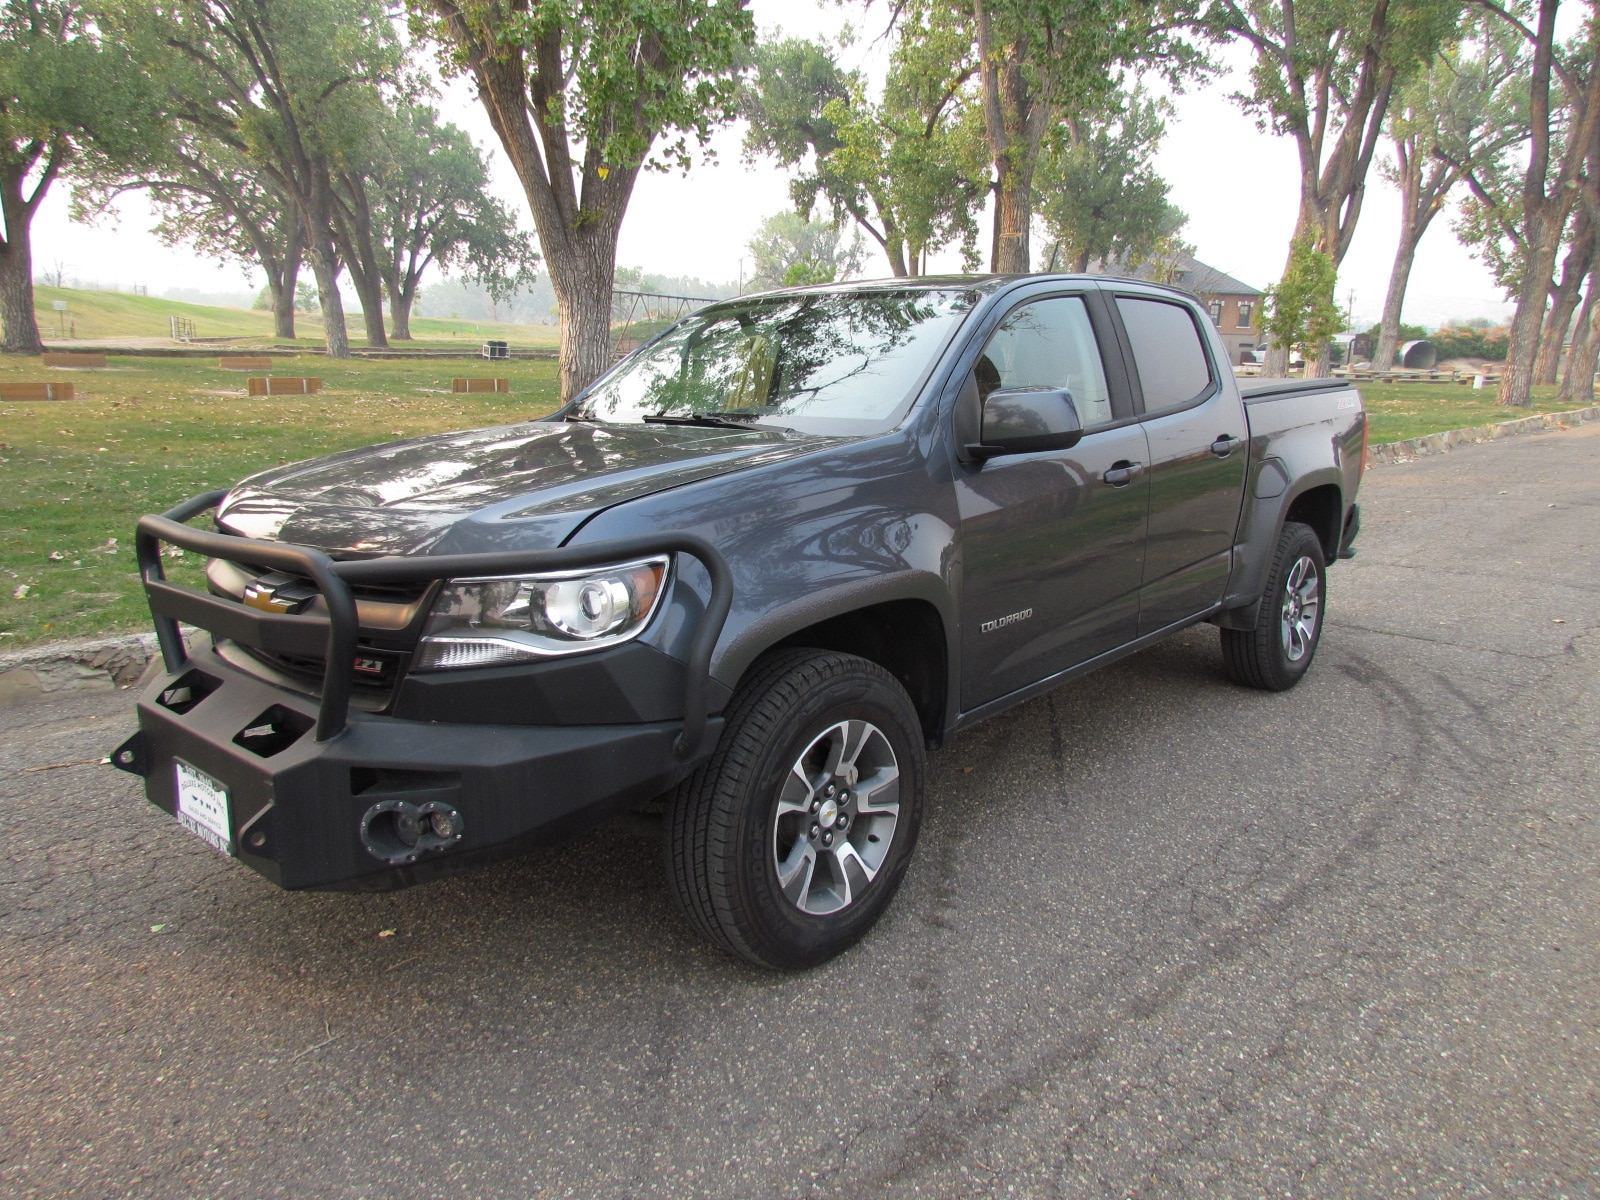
x=1235 y=307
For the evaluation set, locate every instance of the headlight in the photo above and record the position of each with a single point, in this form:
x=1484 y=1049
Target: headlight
x=506 y=619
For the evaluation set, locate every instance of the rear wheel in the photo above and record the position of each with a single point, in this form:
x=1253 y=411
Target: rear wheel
x=1278 y=651
x=790 y=842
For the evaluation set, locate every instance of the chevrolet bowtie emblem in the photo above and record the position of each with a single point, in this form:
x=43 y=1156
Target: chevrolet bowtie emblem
x=271 y=598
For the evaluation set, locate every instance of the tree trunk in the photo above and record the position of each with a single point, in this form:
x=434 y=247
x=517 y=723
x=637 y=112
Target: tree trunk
x=1516 y=385
x=370 y=292
x=283 y=306
x=583 y=280
x=894 y=248
x=1564 y=300
x=283 y=298
x=325 y=265
x=1399 y=280
x=400 y=315
x=1014 y=124
x=1577 y=384
x=352 y=231
x=21 y=325
x=16 y=297
x=1015 y=215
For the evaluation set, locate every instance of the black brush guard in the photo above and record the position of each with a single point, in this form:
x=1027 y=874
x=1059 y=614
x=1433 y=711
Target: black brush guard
x=315 y=799
x=334 y=636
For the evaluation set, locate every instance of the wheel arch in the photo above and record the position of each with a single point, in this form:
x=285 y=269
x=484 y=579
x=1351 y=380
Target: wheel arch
x=1322 y=508
x=903 y=627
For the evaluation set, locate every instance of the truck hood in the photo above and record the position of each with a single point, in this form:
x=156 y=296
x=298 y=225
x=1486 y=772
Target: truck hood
x=524 y=487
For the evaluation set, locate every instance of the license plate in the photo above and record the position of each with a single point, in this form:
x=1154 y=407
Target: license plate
x=203 y=807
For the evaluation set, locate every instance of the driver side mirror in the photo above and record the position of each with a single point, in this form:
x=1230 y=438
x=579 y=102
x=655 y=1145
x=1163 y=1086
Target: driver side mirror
x=1027 y=421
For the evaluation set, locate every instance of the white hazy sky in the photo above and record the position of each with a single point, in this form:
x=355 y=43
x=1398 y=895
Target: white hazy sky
x=1237 y=185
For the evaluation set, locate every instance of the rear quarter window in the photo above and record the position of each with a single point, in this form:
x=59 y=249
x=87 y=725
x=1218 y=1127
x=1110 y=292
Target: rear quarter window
x=1167 y=352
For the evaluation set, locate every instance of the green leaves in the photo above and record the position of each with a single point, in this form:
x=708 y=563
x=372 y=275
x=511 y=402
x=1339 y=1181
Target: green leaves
x=1299 y=312
x=624 y=78
x=1099 y=194
x=790 y=250
x=907 y=168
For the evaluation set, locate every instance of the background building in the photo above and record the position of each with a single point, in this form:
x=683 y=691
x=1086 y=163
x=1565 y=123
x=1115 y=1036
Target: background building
x=1235 y=307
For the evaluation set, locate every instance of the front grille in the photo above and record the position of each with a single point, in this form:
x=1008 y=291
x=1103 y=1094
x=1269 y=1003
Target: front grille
x=379 y=593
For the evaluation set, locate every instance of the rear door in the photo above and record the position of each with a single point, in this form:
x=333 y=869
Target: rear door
x=1199 y=452
x=1052 y=543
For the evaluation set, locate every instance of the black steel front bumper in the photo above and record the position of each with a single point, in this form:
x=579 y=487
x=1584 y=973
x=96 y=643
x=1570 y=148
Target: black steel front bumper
x=318 y=797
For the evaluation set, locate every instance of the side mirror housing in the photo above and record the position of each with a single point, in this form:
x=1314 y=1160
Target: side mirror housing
x=1027 y=421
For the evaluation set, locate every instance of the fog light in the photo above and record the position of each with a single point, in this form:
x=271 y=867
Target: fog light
x=398 y=833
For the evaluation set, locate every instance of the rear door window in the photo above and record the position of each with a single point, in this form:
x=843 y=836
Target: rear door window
x=1167 y=352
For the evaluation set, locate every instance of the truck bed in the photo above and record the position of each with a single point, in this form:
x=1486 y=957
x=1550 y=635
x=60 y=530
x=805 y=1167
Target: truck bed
x=1256 y=390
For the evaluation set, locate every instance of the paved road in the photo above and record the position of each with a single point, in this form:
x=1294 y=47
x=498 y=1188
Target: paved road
x=1164 y=937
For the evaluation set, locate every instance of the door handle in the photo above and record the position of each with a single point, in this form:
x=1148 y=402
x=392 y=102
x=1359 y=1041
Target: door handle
x=1224 y=445
x=1121 y=473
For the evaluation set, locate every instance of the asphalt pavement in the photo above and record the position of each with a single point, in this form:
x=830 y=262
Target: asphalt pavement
x=1163 y=937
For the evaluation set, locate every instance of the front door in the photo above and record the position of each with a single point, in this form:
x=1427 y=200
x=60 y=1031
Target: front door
x=1052 y=543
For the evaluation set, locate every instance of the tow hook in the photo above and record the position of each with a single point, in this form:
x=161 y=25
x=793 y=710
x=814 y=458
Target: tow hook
x=133 y=756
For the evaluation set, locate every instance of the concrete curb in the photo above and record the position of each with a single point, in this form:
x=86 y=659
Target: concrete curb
x=53 y=668
x=1442 y=443
x=103 y=664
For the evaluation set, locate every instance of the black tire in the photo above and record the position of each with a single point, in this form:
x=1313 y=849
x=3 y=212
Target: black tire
x=1278 y=651
x=725 y=831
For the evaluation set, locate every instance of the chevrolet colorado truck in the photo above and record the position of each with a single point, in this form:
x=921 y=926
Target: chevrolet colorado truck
x=748 y=577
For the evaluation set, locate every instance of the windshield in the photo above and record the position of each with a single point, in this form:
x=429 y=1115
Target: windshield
x=826 y=362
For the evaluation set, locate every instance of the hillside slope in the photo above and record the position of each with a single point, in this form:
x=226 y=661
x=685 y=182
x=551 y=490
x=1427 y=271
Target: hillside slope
x=91 y=316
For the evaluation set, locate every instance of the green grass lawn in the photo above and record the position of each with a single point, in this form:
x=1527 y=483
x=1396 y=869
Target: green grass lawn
x=148 y=432
x=1397 y=411
x=98 y=315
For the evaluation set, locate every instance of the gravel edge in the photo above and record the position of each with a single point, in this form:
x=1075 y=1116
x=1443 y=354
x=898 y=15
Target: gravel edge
x=1386 y=453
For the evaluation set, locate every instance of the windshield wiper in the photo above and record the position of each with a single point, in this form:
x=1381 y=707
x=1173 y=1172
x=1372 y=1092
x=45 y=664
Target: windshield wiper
x=717 y=420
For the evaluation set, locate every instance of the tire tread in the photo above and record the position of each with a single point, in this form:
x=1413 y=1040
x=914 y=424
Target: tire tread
x=703 y=815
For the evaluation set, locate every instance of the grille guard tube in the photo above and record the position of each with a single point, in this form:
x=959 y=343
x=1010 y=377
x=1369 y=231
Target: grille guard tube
x=335 y=635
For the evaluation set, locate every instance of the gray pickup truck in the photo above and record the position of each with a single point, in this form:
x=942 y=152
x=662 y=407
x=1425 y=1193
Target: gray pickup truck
x=744 y=581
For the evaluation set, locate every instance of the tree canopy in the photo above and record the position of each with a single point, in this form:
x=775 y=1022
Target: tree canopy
x=583 y=95
x=1100 y=197
x=294 y=86
x=790 y=249
x=907 y=168
x=62 y=90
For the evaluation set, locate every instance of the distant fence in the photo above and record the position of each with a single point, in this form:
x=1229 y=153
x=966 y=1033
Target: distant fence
x=636 y=317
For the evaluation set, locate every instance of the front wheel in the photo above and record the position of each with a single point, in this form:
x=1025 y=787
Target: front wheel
x=791 y=841
x=1278 y=651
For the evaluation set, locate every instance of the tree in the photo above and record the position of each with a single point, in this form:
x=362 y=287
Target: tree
x=61 y=89
x=1041 y=60
x=1100 y=197
x=908 y=169
x=1298 y=312
x=431 y=206
x=584 y=94
x=790 y=250
x=1463 y=109
x=216 y=200
x=290 y=85
x=1323 y=75
x=1563 y=125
